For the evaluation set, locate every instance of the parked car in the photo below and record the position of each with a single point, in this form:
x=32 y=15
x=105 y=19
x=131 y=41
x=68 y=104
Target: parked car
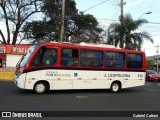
x=152 y=75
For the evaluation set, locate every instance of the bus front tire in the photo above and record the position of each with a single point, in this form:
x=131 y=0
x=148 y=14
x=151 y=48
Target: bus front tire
x=115 y=87
x=40 y=88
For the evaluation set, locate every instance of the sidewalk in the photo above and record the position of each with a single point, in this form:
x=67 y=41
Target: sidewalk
x=6 y=75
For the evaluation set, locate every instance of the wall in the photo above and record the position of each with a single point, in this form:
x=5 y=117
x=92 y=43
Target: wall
x=10 y=55
x=7 y=73
x=12 y=60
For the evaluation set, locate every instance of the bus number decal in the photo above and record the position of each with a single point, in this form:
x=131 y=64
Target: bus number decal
x=140 y=75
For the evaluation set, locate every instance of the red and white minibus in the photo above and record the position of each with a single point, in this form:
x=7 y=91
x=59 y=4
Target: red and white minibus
x=62 y=66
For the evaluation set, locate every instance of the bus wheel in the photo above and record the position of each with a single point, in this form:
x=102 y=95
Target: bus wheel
x=40 y=88
x=115 y=87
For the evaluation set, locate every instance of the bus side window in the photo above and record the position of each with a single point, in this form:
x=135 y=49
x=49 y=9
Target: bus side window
x=91 y=58
x=69 y=57
x=45 y=57
x=115 y=60
x=134 y=60
x=49 y=57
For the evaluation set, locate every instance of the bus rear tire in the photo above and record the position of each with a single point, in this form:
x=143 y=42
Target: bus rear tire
x=40 y=88
x=115 y=87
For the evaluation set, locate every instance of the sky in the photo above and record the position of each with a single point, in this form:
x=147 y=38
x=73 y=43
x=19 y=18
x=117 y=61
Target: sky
x=108 y=11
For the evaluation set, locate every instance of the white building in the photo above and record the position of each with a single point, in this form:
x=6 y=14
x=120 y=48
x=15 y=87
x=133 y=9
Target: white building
x=11 y=54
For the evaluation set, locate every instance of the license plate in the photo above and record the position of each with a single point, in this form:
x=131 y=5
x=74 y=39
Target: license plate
x=156 y=78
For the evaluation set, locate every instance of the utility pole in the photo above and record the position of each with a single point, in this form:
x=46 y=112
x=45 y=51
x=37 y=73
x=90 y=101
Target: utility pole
x=122 y=3
x=157 y=58
x=114 y=41
x=62 y=21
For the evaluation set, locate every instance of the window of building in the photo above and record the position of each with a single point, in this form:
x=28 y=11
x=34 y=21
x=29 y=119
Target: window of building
x=69 y=57
x=115 y=60
x=91 y=58
x=134 y=61
x=45 y=56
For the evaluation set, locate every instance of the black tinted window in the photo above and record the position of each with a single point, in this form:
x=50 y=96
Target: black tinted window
x=91 y=58
x=69 y=57
x=134 y=61
x=115 y=60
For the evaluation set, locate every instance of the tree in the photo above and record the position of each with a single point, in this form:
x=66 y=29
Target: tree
x=49 y=28
x=148 y=64
x=85 y=29
x=78 y=26
x=16 y=12
x=38 y=31
x=128 y=30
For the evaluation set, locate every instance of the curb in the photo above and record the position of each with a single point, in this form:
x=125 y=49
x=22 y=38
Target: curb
x=6 y=76
x=5 y=80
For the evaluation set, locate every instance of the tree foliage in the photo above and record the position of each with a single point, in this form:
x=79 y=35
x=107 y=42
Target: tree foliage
x=15 y=13
x=85 y=29
x=126 y=34
x=78 y=26
x=148 y=64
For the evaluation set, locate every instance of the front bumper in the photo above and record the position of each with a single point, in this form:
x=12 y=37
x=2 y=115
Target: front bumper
x=20 y=81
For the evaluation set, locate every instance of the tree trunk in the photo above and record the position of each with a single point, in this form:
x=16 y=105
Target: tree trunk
x=15 y=34
x=3 y=38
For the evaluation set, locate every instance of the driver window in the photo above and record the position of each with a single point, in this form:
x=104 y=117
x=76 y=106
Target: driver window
x=45 y=57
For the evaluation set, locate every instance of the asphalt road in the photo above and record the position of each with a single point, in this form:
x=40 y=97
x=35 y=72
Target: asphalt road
x=146 y=98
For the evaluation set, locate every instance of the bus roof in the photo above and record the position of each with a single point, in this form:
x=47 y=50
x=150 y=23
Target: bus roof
x=84 y=45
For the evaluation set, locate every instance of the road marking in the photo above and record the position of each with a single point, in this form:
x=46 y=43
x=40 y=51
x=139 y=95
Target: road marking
x=147 y=83
x=81 y=97
x=150 y=90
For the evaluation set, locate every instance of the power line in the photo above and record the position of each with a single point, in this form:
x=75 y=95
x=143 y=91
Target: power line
x=111 y=1
x=94 y=6
x=118 y=20
x=115 y=13
x=98 y=5
x=155 y=18
x=153 y=22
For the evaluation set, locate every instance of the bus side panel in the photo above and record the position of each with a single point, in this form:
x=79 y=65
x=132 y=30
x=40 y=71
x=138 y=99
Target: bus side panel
x=104 y=79
x=90 y=80
x=36 y=76
x=57 y=79
x=84 y=79
x=135 y=79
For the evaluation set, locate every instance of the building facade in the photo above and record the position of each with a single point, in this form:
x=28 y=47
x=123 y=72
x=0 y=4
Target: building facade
x=11 y=54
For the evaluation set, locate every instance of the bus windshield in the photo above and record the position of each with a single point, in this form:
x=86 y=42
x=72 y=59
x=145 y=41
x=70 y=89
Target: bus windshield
x=23 y=61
